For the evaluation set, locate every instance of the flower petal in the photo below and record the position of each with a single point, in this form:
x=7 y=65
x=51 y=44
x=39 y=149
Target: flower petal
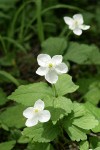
x=78 y=18
x=84 y=27
x=72 y=27
x=51 y=76
x=57 y=59
x=31 y=122
x=28 y=113
x=42 y=71
x=39 y=104
x=44 y=116
x=77 y=31
x=68 y=20
x=61 y=68
x=43 y=59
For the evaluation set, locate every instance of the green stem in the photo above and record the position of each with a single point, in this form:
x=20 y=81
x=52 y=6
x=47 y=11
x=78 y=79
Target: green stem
x=67 y=37
x=62 y=133
x=63 y=31
x=55 y=91
x=39 y=20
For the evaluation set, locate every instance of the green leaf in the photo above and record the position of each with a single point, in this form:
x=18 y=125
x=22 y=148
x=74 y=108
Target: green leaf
x=9 y=77
x=3 y=98
x=28 y=94
x=84 y=145
x=15 y=43
x=64 y=103
x=42 y=146
x=78 y=109
x=98 y=148
x=42 y=132
x=94 y=141
x=93 y=95
x=8 y=60
x=54 y=46
x=61 y=6
x=65 y=85
x=8 y=1
x=83 y=88
x=75 y=133
x=61 y=106
x=24 y=139
x=7 y=145
x=87 y=121
x=13 y=116
x=82 y=118
x=79 y=122
x=40 y=30
x=82 y=53
x=96 y=112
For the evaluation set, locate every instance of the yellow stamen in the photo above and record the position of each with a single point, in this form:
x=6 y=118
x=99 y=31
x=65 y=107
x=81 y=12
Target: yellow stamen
x=50 y=65
x=36 y=110
x=76 y=23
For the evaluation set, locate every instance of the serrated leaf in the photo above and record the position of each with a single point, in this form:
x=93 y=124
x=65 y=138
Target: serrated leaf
x=87 y=121
x=79 y=110
x=65 y=85
x=83 y=88
x=77 y=53
x=28 y=94
x=83 y=53
x=96 y=112
x=93 y=94
x=82 y=118
x=7 y=145
x=84 y=145
x=42 y=132
x=75 y=133
x=42 y=146
x=54 y=46
x=64 y=103
x=23 y=139
x=61 y=106
x=12 y=116
x=79 y=122
x=98 y=148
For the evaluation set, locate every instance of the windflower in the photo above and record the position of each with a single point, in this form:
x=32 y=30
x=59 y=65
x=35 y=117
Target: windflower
x=36 y=114
x=76 y=24
x=51 y=67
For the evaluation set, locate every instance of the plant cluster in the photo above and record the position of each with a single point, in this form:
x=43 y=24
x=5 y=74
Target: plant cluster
x=48 y=111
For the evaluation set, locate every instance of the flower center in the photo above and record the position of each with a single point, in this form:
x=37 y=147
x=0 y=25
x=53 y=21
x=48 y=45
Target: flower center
x=50 y=65
x=36 y=110
x=76 y=23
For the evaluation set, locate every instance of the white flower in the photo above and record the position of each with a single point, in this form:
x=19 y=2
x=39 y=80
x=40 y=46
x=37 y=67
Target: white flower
x=36 y=114
x=51 y=67
x=76 y=24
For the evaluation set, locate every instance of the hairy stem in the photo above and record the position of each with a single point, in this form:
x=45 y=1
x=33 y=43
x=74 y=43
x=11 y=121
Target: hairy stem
x=55 y=91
